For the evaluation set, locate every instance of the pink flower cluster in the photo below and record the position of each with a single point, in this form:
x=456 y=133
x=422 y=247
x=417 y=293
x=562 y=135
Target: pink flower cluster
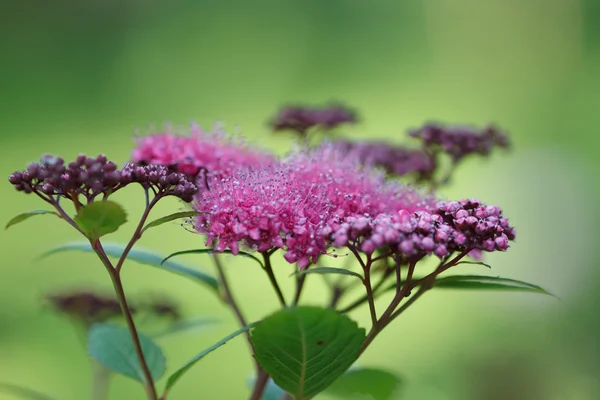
x=314 y=200
x=450 y=226
x=212 y=152
x=297 y=205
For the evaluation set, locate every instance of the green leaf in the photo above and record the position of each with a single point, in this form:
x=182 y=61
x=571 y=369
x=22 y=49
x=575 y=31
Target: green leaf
x=141 y=256
x=211 y=251
x=23 y=392
x=185 y=325
x=327 y=270
x=305 y=349
x=368 y=383
x=169 y=218
x=101 y=218
x=481 y=282
x=111 y=346
x=475 y=263
x=183 y=369
x=22 y=217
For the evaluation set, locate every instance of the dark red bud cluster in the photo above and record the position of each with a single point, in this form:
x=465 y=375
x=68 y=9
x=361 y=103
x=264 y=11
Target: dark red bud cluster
x=90 y=177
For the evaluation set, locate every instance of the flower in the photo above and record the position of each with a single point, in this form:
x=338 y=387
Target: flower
x=395 y=160
x=296 y=204
x=458 y=141
x=451 y=226
x=90 y=177
x=300 y=119
x=213 y=153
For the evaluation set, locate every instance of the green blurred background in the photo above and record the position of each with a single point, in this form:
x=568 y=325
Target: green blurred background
x=83 y=76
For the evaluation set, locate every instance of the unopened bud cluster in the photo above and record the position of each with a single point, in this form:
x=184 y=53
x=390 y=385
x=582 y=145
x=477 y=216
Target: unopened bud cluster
x=459 y=142
x=395 y=160
x=300 y=119
x=90 y=177
x=86 y=306
x=451 y=226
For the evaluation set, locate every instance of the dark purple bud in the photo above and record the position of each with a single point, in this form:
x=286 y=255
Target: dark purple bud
x=47 y=188
x=501 y=242
x=15 y=178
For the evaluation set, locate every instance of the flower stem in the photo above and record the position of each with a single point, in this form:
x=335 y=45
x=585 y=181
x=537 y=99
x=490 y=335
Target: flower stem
x=100 y=381
x=273 y=280
x=120 y=292
x=231 y=302
x=137 y=234
x=299 y=286
x=259 y=385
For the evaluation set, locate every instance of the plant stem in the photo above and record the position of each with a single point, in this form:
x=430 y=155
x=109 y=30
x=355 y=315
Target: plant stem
x=426 y=283
x=299 y=286
x=337 y=292
x=137 y=234
x=273 y=280
x=230 y=300
x=370 y=297
x=100 y=381
x=149 y=382
x=120 y=292
x=259 y=385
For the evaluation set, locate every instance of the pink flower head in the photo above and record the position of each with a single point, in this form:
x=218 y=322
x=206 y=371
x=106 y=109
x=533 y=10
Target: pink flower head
x=212 y=152
x=264 y=210
x=297 y=205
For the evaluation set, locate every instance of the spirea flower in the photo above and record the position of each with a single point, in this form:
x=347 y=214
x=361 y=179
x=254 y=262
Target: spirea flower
x=450 y=226
x=395 y=160
x=262 y=210
x=90 y=177
x=209 y=152
x=459 y=142
x=300 y=119
x=296 y=205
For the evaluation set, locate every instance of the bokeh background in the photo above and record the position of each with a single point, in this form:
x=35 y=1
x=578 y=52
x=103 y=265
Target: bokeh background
x=84 y=76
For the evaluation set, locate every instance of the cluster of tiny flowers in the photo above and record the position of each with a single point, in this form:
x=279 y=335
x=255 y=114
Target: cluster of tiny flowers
x=300 y=119
x=198 y=152
x=262 y=210
x=296 y=205
x=479 y=226
x=450 y=226
x=395 y=160
x=90 y=177
x=459 y=142
x=86 y=306
x=160 y=179
x=85 y=176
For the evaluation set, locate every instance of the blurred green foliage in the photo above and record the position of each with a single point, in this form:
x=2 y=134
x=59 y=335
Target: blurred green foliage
x=83 y=76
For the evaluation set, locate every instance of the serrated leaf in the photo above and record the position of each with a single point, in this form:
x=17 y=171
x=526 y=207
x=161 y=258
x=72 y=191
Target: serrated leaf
x=23 y=392
x=111 y=346
x=371 y=383
x=142 y=256
x=327 y=270
x=186 y=325
x=481 y=282
x=100 y=218
x=169 y=218
x=185 y=367
x=305 y=349
x=475 y=263
x=22 y=217
x=211 y=251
